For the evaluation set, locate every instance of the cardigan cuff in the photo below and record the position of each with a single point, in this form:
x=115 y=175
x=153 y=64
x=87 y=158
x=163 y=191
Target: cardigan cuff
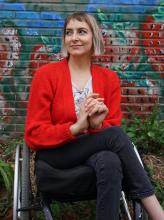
x=67 y=133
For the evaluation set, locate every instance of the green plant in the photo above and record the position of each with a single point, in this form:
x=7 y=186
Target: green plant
x=158 y=184
x=6 y=181
x=6 y=176
x=8 y=148
x=84 y=210
x=7 y=154
x=147 y=134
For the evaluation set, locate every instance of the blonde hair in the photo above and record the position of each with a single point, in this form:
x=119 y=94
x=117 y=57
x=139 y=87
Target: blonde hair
x=98 y=45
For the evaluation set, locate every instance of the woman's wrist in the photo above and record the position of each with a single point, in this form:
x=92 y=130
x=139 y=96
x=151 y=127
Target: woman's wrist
x=76 y=128
x=95 y=126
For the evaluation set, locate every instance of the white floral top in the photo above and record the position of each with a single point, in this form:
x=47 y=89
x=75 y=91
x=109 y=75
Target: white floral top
x=80 y=95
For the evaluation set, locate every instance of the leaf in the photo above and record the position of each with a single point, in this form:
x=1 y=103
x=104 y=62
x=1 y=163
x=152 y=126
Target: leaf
x=150 y=134
x=6 y=180
x=7 y=174
x=131 y=134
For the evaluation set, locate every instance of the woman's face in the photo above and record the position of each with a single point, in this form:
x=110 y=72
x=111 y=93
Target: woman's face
x=78 y=38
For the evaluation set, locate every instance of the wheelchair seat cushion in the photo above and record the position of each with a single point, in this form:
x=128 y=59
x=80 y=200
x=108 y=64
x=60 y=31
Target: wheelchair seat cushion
x=65 y=183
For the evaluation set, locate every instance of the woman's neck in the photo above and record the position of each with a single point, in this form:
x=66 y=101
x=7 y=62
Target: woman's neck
x=79 y=65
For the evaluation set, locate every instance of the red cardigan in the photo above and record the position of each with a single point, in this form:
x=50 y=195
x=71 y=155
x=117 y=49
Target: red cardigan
x=51 y=108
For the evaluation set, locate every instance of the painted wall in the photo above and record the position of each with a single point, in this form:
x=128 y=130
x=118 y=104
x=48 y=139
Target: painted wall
x=30 y=35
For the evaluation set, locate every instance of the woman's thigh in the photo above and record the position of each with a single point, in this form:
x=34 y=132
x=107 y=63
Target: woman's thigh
x=78 y=151
x=111 y=139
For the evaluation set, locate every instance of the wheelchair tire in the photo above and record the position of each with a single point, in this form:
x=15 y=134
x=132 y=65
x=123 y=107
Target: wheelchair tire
x=137 y=211
x=124 y=213
x=16 y=193
x=131 y=210
x=144 y=215
x=25 y=184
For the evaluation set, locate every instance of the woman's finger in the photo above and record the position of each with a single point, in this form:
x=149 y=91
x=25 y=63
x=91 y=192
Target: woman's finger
x=92 y=102
x=93 y=95
x=90 y=105
x=93 y=110
x=103 y=108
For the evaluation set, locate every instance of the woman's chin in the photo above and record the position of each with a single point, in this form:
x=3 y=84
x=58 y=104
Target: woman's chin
x=78 y=54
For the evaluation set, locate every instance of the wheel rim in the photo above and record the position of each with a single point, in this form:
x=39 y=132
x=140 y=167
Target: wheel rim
x=16 y=196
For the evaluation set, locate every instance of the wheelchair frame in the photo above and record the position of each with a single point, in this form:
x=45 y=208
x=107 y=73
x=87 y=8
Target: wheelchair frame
x=23 y=202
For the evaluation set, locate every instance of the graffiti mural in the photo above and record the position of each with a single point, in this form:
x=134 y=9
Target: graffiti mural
x=30 y=36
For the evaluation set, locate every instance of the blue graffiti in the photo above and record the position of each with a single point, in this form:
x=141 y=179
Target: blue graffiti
x=130 y=2
x=135 y=6
x=38 y=19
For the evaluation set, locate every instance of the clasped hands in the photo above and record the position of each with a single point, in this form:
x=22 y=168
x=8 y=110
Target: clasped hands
x=92 y=113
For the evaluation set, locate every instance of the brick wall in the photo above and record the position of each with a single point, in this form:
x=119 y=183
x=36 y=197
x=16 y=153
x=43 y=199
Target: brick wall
x=30 y=35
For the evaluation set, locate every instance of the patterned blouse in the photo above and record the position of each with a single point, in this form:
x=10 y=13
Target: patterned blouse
x=80 y=95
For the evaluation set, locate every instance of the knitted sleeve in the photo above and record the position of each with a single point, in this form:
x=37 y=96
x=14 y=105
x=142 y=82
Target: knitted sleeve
x=40 y=133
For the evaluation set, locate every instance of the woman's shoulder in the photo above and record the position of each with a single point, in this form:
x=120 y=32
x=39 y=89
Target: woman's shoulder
x=50 y=66
x=106 y=72
x=49 y=69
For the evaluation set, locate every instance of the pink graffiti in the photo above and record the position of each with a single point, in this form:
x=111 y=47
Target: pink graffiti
x=153 y=35
x=39 y=56
x=122 y=53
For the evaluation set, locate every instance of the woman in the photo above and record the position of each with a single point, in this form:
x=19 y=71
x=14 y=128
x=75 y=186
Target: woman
x=74 y=117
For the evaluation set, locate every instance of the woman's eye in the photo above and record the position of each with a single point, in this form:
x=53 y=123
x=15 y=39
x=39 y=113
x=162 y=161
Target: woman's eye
x=82 y=31
x=68 y=33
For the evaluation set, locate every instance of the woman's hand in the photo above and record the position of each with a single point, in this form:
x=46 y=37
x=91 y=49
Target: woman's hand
x=82 y=123
x=96 y=109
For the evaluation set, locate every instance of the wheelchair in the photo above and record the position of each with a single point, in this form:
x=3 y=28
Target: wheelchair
x=63 y=186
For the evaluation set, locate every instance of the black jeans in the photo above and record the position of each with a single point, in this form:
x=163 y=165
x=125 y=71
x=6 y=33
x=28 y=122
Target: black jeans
x=111 y=154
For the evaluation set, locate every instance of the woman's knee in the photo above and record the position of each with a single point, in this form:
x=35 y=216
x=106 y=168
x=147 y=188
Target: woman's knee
x=107 y=166
x=106 y=160
x=111 y=160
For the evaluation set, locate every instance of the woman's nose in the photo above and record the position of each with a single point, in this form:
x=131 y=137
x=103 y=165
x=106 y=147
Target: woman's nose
x=74 y=36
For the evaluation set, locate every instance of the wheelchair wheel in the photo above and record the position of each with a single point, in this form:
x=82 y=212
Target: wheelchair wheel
x=25 y=187
x=131 y=210
x=21 y=184
x=16 y=196
x=139 y=212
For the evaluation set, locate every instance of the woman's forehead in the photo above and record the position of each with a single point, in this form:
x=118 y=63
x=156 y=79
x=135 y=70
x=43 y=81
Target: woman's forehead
x=75 y=22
